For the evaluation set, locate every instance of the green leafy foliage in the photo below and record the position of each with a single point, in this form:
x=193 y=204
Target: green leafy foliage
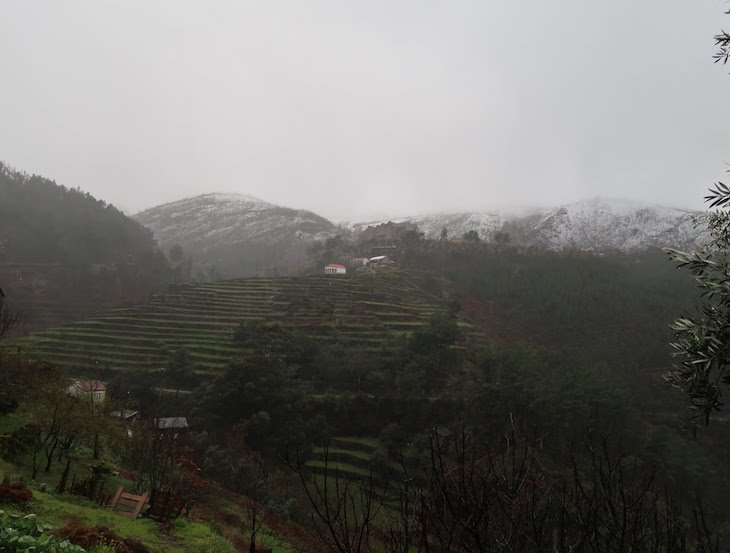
x=26 y=534
x=179 y=370
x=610 y=306
x=255 y=394
x=702 y=340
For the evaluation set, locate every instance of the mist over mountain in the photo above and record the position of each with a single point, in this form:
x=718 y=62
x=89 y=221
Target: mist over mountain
x=235 y=233
x=239 y=235
x=594 y=224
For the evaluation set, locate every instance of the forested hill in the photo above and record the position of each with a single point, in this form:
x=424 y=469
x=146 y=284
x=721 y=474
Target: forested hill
x=42 y=222
x=65 y=254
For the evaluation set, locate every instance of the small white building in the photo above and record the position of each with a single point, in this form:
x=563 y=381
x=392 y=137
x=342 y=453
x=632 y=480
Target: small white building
x=381 y=262
x=335 y=269
x=378 y=259
x=92 y=389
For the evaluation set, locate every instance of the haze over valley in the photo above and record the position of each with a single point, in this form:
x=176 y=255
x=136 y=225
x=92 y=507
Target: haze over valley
x=334 y=277
x=243 y=236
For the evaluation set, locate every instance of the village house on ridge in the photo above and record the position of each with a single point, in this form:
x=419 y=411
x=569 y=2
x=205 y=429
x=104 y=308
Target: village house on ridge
x=335 y=269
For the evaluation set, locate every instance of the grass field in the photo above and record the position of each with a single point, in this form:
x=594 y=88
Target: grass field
x=360 y=313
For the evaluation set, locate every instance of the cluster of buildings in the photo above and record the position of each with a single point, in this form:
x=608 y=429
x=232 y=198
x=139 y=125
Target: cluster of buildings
x=95 y=391
x=382 y=242
x=358 y=263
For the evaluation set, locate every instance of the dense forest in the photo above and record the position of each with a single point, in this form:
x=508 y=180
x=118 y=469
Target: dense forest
x=64 y=254
x=42 y=222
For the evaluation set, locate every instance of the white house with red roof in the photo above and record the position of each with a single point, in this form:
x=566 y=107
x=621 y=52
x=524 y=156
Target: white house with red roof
x=93 y=389
x=335 y=269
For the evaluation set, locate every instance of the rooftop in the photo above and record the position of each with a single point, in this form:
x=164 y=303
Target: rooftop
x=90 y=386
x=165 y=423
x=124 y=414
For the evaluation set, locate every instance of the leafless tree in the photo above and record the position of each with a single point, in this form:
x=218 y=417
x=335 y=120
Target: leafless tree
x=153 y=456
x=469 y=496
x=505 y=500
x=343 y=510
x=9 y=320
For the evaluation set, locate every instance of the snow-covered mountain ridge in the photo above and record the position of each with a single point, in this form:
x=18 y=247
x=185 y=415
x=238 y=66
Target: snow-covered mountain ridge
x=208 y=220
x=593 y=224
x=235 y=233
x=243 y=235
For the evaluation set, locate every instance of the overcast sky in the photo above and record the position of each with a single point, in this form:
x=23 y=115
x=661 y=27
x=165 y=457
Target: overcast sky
x=364 y=108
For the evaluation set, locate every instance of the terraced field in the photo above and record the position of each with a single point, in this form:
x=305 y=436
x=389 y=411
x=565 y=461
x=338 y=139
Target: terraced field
x=360 y=312
x=353 y=459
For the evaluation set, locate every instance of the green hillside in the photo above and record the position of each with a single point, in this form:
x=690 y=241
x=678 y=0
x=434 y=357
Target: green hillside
x=358 y=313
x=65 y=254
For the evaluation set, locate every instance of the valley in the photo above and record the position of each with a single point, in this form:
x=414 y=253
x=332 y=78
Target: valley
x=334 y=376
x=364 y=277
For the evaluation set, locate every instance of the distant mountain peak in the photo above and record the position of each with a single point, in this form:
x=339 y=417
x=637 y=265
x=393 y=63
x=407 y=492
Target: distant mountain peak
x=234 y=197
x=597 y=223
x=241 y=234
x=230 y=199
x=619 y=205
x=238 y=233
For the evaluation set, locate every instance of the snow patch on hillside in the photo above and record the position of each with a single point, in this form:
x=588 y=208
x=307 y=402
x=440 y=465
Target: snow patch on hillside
x=220 y=219
x=593 y=224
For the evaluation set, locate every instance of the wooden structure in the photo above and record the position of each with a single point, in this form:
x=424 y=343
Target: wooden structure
x=128 y=504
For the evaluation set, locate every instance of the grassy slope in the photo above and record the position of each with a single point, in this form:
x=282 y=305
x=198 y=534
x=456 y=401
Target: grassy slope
x=58 y=509
x=357 y=312
x=185 y=536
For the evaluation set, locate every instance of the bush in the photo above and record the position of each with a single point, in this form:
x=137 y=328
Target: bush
x=14 y=492
x=24 y=534
x=100 y=538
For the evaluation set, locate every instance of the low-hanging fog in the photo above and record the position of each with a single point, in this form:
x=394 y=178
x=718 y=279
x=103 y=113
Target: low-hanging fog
x=354 y=109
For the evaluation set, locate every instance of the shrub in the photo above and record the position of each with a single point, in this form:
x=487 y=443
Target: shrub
x=14 y=492
x=98 y=537
x=24 y=534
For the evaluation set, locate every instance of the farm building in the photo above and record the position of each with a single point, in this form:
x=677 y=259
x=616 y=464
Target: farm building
x=381 y=261
x=335 y=269
x=93 y=389
x=172 y=423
